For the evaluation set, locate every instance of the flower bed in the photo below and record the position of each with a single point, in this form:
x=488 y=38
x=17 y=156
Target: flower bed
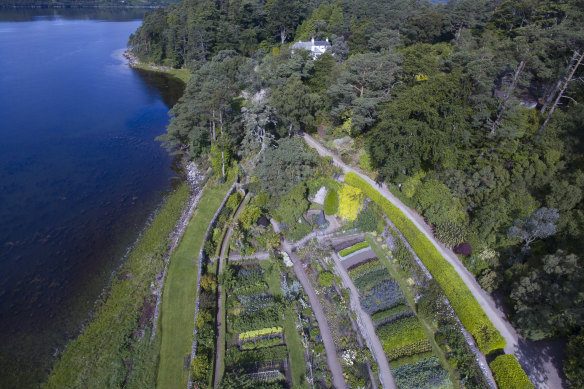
x=249 y=335
x=383 y=296
x=426 y=373
x=392 y=314
x=465 y=305
x=352 y=249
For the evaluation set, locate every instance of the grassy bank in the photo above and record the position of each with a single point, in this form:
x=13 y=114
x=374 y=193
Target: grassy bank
x=181 y=74
x=110 y=352
x=178 y=301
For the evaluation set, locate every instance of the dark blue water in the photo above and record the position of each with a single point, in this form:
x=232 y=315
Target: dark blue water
x=80 y=172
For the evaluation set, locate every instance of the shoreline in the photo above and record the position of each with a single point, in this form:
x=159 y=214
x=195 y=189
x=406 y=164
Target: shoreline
x=134 y=288
x=134 y=63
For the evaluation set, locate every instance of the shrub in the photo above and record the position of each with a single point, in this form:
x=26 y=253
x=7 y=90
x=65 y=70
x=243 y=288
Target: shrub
x=350 y=202
x=325 y=279
x=352 y=249
x=465 y=305
x=463 y=249
x=331 y=202
x=509 y=374
x=299 y=231
x=367 y=220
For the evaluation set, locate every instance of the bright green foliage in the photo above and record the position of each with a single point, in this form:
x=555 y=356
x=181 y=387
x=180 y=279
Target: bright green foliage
x=331 y=202
x=509 y=374
x=200 y=366
x=465 y=305
x=261 y=332
x=325 y=279
x=350 y=202
x=401 y=333
x=233 y=201
x=353 y=248
x=249 y=215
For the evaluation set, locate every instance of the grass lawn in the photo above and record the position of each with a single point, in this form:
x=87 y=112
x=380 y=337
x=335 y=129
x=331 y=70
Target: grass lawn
x=181 y=74
x=400 y=277
x=295 y=350
x=178 y=301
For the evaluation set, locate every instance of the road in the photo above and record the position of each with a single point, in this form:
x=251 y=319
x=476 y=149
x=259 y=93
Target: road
x=536 y=362
x=373 y=342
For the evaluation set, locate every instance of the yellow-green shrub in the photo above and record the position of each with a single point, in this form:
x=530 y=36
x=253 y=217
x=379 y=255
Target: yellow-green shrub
x=465 y=305
x=261 y=332
x=509 y=374
x=350 y=202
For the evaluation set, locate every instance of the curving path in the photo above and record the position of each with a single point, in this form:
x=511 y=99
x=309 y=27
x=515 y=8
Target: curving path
x=325 y=331
x=373 y=342
x=220 y=310
x=536 y=362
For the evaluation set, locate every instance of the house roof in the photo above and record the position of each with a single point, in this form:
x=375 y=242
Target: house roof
x=263 y=221
x=308 y=45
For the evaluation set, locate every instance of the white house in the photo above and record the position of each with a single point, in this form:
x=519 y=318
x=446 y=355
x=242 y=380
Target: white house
x=316 y=48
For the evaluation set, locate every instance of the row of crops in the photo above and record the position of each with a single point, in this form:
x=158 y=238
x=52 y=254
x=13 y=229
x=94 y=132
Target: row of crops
x=404 y=341
x=255 y=341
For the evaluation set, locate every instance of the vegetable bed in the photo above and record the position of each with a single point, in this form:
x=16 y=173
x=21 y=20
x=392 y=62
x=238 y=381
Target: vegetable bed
x=465 y=305
x=354 y=248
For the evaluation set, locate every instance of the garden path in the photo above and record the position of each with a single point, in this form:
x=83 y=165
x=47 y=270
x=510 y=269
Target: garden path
x=536 y=361
x=387 y=380
x=220 y=310
x=325 y=331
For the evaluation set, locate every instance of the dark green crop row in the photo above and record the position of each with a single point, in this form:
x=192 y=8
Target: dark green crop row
x=465 y=305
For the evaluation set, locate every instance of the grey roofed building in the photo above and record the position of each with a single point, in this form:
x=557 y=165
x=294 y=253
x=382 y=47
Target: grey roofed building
x=316 y=48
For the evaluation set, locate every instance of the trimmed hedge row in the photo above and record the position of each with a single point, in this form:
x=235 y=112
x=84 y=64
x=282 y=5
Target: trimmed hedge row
x=465 y=305
x=353 y=248
x=509 y=374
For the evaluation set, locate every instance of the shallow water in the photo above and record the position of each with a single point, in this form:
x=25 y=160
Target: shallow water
x=80 y=172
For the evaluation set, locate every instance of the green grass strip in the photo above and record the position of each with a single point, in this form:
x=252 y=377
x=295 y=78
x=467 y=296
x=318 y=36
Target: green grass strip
x=353 y=248
x=96 y=358
x=509 y=374
x=178 y=300
x=295 y=349
x=467 y=308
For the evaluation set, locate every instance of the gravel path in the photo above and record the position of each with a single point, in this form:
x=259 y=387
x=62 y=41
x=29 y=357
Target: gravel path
x=387 y=380
x=536 y=363
x=325 y=331
x=220 y=312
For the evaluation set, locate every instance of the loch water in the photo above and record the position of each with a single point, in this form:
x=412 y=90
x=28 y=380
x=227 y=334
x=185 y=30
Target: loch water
x=80 y=172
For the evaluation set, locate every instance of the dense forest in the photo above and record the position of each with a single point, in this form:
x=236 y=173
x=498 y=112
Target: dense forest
x=469 y=110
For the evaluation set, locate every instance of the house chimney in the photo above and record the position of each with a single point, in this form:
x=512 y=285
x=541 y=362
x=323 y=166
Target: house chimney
x=327 y=38
x=313 y=41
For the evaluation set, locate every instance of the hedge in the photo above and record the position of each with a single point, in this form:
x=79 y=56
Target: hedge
x=259 y=333
x=509 y=374
x=467 y=308
x=353 y=248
